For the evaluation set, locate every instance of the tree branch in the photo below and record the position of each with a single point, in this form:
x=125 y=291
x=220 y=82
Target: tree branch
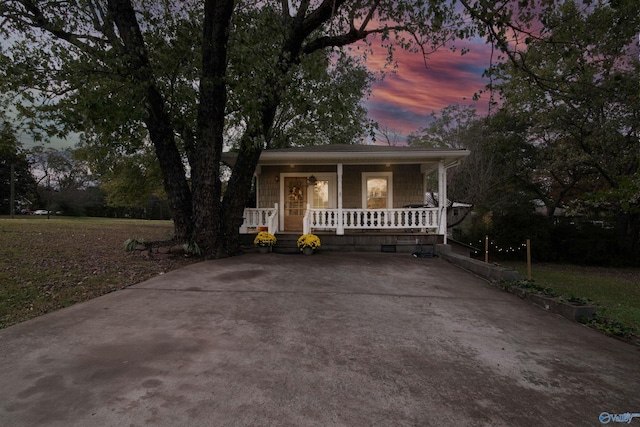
x=369 y=17
x=36 y=18
x=347 y=38
x=302 y=10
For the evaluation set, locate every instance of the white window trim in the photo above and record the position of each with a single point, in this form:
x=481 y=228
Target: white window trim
x=389 y=178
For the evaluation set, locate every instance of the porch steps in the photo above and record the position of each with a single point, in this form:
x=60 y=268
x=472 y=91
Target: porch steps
x=356 y=242
x=287 y=244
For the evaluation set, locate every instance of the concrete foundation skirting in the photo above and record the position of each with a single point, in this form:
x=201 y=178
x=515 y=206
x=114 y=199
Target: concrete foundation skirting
x=486 y=271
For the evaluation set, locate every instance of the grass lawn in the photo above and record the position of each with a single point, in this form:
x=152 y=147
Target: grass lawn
x=47 y=264
x=616 y=291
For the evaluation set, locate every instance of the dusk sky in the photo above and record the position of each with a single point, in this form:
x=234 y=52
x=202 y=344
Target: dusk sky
x=403 y=101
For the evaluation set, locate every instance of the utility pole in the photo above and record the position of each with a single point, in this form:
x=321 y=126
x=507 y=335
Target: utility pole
x=48 y=196
x=12 y=199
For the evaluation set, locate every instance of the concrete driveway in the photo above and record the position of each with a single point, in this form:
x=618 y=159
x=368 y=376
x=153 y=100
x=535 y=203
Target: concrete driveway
x=335 y=339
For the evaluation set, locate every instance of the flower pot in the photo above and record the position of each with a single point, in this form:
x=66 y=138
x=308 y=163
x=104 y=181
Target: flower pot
x=264 y=249
x=307 y=251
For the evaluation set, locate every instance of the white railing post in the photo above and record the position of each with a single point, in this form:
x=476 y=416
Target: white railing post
x=442 y=200
x=272 y=220
x=306 y=228
x=340 y=219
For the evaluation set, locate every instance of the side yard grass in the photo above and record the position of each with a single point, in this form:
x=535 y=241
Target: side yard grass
x=48 y=264
x=615 y=291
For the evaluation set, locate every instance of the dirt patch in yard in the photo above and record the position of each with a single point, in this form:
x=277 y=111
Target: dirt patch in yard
x=47 y=264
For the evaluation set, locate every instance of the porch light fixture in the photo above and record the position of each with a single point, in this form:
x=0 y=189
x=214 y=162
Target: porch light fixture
x=311 y=180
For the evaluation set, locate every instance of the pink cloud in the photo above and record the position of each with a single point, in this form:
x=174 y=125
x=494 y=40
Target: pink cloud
x=404 y=100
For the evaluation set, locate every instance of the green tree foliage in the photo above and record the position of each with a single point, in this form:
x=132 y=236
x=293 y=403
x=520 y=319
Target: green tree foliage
x=11 y=153
x=491 y=176
x=56 y=168
x=577 y=91
x=451 y=128
x=181 y=74
x=63 y=182
x=320 y=95
x=133 y=181
x=565 y=134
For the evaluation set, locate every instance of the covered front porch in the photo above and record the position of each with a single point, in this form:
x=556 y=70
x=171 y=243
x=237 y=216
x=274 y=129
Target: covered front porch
x=344 y=190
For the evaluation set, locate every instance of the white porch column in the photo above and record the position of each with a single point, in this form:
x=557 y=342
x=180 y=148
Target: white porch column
x=273 y=223
x=424 y=188
x=306 y=227
x=425 y=176
x=256 y=175
x=442 y=200
x=340 y=224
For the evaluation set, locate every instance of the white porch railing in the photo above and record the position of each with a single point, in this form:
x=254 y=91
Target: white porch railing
x=376 y=219
x=353 y=219
x=260 y=217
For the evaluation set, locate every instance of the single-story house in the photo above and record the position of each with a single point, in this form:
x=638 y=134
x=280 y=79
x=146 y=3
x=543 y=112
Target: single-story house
x=341 y=189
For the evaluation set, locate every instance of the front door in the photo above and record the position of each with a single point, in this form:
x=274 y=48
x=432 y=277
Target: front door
x=295 y=202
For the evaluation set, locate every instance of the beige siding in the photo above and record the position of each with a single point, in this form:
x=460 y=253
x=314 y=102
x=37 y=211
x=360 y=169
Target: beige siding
x=407 y=183
x=352 y=186
x=268 y=188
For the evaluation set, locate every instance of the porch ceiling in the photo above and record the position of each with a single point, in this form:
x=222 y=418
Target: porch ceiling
x=357 y=154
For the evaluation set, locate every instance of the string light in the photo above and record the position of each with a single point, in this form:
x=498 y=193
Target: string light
x=494 y=247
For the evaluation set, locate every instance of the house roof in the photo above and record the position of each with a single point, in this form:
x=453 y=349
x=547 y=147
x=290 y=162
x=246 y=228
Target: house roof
x=357 y=154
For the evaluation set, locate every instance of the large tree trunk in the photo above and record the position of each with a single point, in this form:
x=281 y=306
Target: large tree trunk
x=239 y=185
x=207 y=221
x=236 y=197
x=158 y=122
x=207 y=152
x=173 y=174
x=634 y=232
